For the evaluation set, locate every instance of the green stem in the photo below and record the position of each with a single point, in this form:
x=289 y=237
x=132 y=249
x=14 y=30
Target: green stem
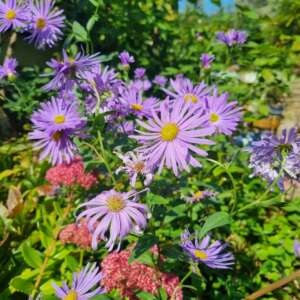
x=226 y=169
x=50 y=249
x=104 y=158
x=262 y=197
x=81 y=258
x=187 y=275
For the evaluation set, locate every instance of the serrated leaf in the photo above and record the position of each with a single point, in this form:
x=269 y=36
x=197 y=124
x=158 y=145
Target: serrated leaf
x=218 y=219
x=31 y=256
x=144 y=243
x=79 y=32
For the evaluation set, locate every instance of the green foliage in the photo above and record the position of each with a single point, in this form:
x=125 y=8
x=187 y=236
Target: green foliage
x=168 y=42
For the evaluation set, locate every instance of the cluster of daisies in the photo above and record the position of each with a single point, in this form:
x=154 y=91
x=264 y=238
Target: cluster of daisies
x=169 y=134
x=40 y=20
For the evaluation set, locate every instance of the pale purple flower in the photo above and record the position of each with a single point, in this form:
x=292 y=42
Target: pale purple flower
x=222 y=115
x=85 y=285
x=198 y=196
x=104 y=82
x=57 y=115
x=160 y=80
x=232 y=37
x=296 y=248
x=140 y=84
x=8 y=69
x=54 y=125
x=70 y=70
x=57 y=146
x=139 y=73
x=132 y=101
x=126 y=127
x=112 y=216
x=276 y=158
x=183 y=90
x=126 y=59
x=12 y=15
x=206 y=60
x=211 y=255
x=135 y=165
x=46 y=23
x=172 y=134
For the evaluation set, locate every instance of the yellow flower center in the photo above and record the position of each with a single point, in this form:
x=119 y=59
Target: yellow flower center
x=137 y=107
x=115 y=203
x=59 y=119
x=139 y=166
x=198 y=194
x=72 y=295
x=214 y=117
x=10 y=15
x=190 y=97
x=57 y=136
x=169 y=132
x=200 y=254
x=40 y=23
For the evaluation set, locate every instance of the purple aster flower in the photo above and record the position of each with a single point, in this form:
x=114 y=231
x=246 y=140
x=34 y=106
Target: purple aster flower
x=198 y=196
x=126 y=127
x=113 y=214
x=135 y=165
x=140 y=84
x=126 y=59
x=12 y=15
x=171 y=136
x=54 y=124
x=232 y=37
x=222 y=115
x=211 y=255
x=103 y=85
x=133 y=102
x=58 y=146
x=240 y=37
x=139 y=73
x=297 y=248
x=68 y=71
x=8 y=69
x=185 y=91
x=206 y=60
x=57 y=115
x=276 y=158
x=46 y=23
x=85 y=285
x=160 y=80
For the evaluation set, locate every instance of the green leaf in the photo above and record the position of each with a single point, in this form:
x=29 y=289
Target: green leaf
x=101 y=297
x=91 y=22
x=163 y=294
x=21 y=285
x=31 y=256
x=144 y=243
x=96 y=3
x=145 y=296
x=218 y=219
x=79 y=32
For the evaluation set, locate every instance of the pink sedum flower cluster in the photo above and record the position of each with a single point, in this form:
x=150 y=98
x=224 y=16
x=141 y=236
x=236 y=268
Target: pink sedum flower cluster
x=70 y=174
x=129 y=278
x=77 y=234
